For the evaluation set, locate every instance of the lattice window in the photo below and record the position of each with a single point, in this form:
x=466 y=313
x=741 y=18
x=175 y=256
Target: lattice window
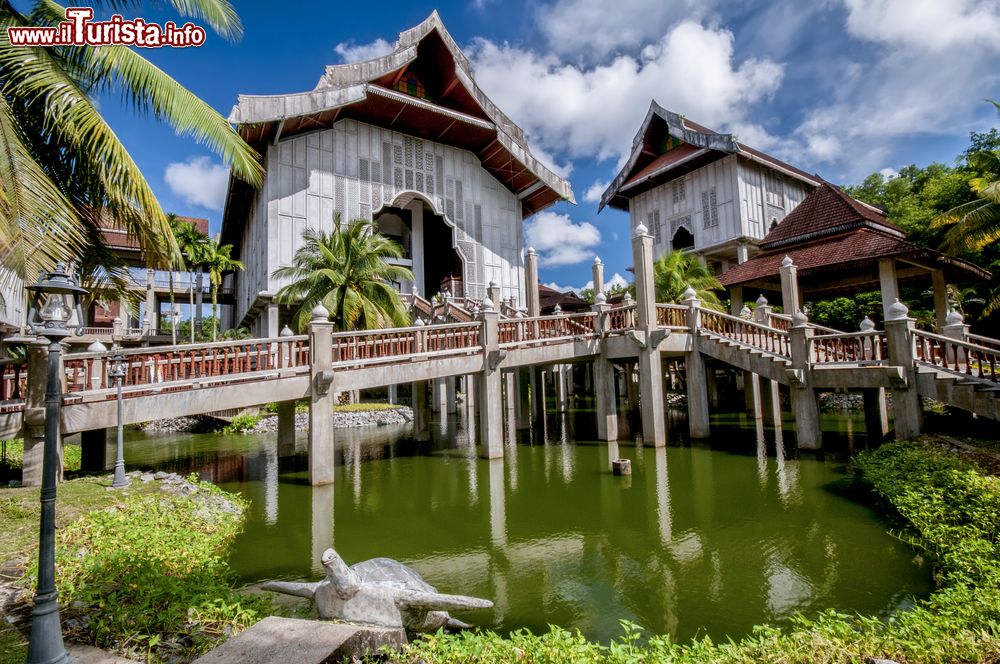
x=418 y=154
x=408 y=152
x=679 y=192
x=478 y=229
x=397 y=178
x=363 y=167
x=397 y=155
x=654 y=225
x=709 y=208
x=420 y=181
x=459 y=198
x=386 y=162
x=376 y=171
x=409 y=179
x=680 y=222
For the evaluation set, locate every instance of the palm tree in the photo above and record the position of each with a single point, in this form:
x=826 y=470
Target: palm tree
x=217 y=260
x=175 y=230
x=674 y=271
x=62 y=167
x=348 y=272
x=192 y=244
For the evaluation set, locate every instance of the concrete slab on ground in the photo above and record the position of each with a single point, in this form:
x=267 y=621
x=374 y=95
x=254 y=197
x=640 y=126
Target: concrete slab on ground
x=276 y=640
x=81 y=654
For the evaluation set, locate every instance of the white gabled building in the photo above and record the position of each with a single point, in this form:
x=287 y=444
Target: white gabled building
x=699 y=190
x=407 y=140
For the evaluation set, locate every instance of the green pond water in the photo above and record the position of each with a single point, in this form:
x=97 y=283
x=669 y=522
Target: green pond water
x=702 y=539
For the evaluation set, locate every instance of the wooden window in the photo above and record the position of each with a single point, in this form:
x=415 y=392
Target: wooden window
x=775 y=189
x=709 y=208
x=654 y=225
x=679 y=192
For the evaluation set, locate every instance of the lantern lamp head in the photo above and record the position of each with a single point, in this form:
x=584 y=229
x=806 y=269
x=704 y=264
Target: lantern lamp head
x=117 y=365
x=56 y=309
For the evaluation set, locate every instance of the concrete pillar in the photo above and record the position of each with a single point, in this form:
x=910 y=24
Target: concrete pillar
x=490 y=387
x=697 y=383
x=321 y=399
x=940 y=299
x=735 y=300
x=537 y=395
x=654 y=428
x=562 y=396
x=605 y=399
x=762 y=311
x=523 y=399
x=876 y=413
x=742 y=252
x=805 y=405
x=198 y=300
x=451 y=398
x=889 y=283
x=152 y=311
x=754 y=398
x=790 y=297
x=421 y=414
x=272 y=320
x=774 y=398
x=321 y=524
x=94 y=450
x=908 y=416
x=469 y=392
x=392 y=394
x=712 y=387
x=955 y=328
x=510 y=395
x=598 y=273
x=286 y=428
x=493 y=293
x=439 y=402
x=531 y=283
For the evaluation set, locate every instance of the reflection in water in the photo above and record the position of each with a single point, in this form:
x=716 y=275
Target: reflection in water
x=697 y=543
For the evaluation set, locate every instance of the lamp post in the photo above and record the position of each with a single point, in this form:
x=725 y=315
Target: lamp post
x=117 y=367
x=55 y=297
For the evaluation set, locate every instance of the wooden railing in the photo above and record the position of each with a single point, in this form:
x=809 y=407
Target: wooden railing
x=13 y=378
x=97 y=331
x=671 y=315
x=986 y=342
x=746 y=332
x=546 y=328
x=958 y=356
x=145 y=366
x=621 y=318
x=784 y=322
x=849 y=348
x=404 y=341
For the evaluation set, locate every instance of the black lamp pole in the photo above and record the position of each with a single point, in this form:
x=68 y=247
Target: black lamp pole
x=56 y=296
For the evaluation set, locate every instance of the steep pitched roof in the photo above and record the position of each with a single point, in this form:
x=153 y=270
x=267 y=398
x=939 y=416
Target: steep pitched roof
x=648 y=165
x=455 y=112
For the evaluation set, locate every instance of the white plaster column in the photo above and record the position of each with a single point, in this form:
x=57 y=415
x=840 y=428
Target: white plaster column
x=523 y=399
x=286 y=428
x=451 y=398
x=392 y=394
x=605 y=399
x=421 y=416
x=490 y=387
x=510 y=395
x=272 y=320
x=654 y=428
x=152 y=314
x=791 y=299
x=697 y=384
x=416 y=209
x=742 y=252
x=559 y=376
x=598 y=274
x=907 y=413
x=439 y=402
x=531 y=282
x=805 y=405
x=889 y=283
x=321 y=443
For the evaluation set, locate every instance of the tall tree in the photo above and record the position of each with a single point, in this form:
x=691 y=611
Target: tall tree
x=348 y=272
x=675 y=270
x=217 y=260
x=175 y=229
x=193 y=246
x=61 y=165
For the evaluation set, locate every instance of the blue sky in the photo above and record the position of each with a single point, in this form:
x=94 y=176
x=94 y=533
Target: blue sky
x=837 y=87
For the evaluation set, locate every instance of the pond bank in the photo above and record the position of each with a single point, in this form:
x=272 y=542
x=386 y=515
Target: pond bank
x=343 y=418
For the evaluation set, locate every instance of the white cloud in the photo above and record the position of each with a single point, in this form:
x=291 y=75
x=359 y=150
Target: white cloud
x=926 y=25
x=559 y=240
x=562 y=289
x=616 y=280
x=889 y=173
x=593 y=29
x=594 y=192
x=199 y=181
x=351 y=52
x=578 y=111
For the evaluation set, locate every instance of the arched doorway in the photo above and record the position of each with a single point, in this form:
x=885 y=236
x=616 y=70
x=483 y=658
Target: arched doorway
x=428 y=241
x=683 y=239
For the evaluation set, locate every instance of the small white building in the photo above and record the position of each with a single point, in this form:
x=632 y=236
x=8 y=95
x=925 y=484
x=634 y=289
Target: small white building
x=407 y=140
x=699 y=190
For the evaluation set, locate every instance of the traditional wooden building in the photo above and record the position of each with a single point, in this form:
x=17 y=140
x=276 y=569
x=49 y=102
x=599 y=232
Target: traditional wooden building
x=706 y=192
x=407 y=140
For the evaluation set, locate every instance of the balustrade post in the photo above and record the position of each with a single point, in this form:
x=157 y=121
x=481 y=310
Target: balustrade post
x=907 y=413
x=651 y=405
x=490 y=385
x=321 y=402
x=531 y=283
x=876 y=410
x=805 y=405
x=697 y=384
x=605 y=399
x=790 y=298
x=955 y=328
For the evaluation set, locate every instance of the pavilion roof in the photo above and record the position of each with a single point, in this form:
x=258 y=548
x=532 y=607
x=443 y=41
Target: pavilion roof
x=568 y=301
x=452 y=109
x=836 y=242
x=696 y=145
x=116 y=237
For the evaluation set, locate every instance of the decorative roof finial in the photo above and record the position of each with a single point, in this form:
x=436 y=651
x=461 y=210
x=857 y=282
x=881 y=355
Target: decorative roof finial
x=641 y=230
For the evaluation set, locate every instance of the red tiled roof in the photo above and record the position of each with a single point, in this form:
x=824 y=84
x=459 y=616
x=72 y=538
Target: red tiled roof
x=826 y=211
x=860 y=245
x=664 y=160
x=116 y=237
x=548 y=298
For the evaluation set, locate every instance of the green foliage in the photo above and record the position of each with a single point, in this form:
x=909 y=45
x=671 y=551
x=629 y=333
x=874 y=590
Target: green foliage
x=149 y=576
x=946 y=506
x=674 y=271
x=363 y=407
x=218 y=260
x=846 y=313
x=348 y=272
x=12 y=454
x=242 y=423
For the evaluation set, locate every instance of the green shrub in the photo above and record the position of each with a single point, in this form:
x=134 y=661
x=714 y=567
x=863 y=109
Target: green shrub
x=12 y=454
x=148 y=575
x=242 y=423
x=945 y=506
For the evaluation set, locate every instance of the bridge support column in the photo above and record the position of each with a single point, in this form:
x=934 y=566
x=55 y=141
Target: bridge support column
x=510 y=394
x=562 y=396
x=651 y=406
x=321 y=400
x=421 y=416
x=439 y=397
x=94 y=450
x=286 y=428
x=392 y=394
x=537 y=395
x=469 y=392
x=490 y=386
x=754 y=399
x=876 y=413
x=805 y=405
x=451 y=398
x=523 y=399
x=908 y=417
x=697 y=381
x=605 y=399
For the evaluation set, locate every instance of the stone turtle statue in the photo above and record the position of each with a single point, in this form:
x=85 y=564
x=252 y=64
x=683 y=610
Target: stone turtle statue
x=382 y=592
